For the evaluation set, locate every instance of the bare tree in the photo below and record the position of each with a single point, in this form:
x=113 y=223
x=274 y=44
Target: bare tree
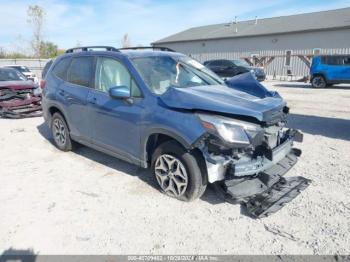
x=36 y=16
x=125 y=41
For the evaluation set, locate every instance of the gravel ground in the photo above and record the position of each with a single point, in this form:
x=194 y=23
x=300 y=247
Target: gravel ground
x=85 y=202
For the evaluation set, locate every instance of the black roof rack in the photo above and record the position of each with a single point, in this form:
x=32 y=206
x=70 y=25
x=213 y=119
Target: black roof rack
x=89 y=48
x=148 y=47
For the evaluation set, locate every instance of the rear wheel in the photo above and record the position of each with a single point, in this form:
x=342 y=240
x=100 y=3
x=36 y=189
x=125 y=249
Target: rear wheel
x=318 y=82
x=60 y=133
x=177 y=172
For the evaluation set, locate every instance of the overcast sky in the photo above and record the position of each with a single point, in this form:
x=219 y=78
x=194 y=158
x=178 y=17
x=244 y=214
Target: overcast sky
x=104 y=22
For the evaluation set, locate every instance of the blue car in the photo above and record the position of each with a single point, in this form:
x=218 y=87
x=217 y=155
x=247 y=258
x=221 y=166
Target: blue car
x=162 y=110
x=327 y=70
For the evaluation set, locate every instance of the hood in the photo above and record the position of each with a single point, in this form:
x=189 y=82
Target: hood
x=247 y=83
x=17 y=85
x=223 y=99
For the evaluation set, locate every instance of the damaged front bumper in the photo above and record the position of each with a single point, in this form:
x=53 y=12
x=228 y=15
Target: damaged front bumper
x=19 y=104
x=258 y=183
x=221 y=167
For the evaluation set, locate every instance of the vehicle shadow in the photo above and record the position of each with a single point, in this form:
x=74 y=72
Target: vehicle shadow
x=308 y=85
x=144 y=175
x=325 y=126
x=11 y=254
x=104 y=159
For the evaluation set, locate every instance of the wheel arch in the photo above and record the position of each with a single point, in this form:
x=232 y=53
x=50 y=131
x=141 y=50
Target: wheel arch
x=155 y=138
x=56 y=109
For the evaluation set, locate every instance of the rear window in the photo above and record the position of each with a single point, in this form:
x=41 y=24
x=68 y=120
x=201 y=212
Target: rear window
x=60 y=69
x=81 y=71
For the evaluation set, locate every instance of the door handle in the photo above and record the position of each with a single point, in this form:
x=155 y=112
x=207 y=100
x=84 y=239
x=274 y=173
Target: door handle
x=92 y=100
x=61 y=92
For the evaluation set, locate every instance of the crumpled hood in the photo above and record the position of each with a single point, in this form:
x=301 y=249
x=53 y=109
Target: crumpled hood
x=17 y=85
x=223 y=99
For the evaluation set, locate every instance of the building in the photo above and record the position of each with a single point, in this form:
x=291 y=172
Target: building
x=281 y=45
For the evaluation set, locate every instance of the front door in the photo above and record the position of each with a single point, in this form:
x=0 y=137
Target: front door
x=115 y=122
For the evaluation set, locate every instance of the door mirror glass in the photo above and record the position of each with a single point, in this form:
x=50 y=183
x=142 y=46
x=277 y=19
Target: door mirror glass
x=120 y=92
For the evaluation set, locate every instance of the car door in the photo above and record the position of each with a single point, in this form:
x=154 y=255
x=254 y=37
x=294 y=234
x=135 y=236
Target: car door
x=74 y=93
x=335 y=69
x=115 y=121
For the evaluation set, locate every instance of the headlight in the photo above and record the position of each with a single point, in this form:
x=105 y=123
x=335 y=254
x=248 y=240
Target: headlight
x=231 y=130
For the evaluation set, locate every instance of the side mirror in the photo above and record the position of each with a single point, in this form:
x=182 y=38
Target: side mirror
x=120 y=92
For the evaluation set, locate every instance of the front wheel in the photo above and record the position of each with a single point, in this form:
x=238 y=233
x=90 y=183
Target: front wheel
x=178 y=172
x=318 y=82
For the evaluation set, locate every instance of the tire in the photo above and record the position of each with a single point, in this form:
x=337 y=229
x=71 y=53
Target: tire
x=60 y=133
x=318 y=82
x=177 y=172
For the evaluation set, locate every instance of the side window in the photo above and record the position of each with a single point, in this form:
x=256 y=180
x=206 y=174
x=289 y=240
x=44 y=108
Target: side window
x=225 y=63
x=60 y=69
x=110 y=73
x=347 y=61
x=81 y=71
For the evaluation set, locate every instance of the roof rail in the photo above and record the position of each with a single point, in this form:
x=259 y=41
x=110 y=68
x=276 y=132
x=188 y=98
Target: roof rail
x=88 y=48
x=148 y=47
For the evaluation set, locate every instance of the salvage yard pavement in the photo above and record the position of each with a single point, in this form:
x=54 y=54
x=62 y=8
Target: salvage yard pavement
x=85 y=202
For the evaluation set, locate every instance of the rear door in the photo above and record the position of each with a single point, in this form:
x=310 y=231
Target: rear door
x=346 y=75
x=115 y=121
x=75 y=92
x=336 y=68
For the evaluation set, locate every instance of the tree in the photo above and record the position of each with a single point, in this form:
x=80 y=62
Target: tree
x=47 y=49
x=36 y=16
x=2 y=52
x=125 y=41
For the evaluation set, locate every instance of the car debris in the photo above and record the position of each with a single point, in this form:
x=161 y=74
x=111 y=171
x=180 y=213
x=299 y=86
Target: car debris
x=19 y=97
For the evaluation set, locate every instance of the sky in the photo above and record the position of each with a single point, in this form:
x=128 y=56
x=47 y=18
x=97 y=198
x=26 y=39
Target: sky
x=104 y=22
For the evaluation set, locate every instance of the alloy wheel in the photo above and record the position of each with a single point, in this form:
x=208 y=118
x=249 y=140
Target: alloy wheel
x=318 y=82
x=171 y=175
x=59 y=132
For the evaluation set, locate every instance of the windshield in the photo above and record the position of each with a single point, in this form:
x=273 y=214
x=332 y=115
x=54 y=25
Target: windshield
x=11 y=75
x=239 y=62
x=162 y=72
x=22 y=69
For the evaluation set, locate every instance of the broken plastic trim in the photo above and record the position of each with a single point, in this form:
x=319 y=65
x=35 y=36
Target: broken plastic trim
x=266 y=193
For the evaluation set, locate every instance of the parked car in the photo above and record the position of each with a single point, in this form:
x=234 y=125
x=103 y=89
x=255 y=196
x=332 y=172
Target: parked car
x=25 y=71
x=19 y=97
x=327 y=70
x=166 y=111
x=229 y=68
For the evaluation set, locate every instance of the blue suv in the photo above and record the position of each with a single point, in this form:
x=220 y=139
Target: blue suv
x=157 y=108
x=327 y=70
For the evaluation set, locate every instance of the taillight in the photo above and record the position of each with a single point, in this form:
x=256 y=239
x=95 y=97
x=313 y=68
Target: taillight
x=42 y=83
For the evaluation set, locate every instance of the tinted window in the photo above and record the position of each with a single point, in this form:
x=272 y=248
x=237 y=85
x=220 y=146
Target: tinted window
x=225 y=63
x=110 y=73
x=46 y=68
x=347 y=60
x=81 y=71
x=334 y=60
x=60 y=69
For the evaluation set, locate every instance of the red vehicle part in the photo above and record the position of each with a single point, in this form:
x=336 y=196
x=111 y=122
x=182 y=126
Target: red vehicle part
x=18 y=99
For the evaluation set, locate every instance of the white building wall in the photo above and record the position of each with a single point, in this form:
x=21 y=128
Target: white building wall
x=329 y=42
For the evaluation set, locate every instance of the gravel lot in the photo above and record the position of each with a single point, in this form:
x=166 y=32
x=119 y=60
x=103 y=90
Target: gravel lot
x=85 y=202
